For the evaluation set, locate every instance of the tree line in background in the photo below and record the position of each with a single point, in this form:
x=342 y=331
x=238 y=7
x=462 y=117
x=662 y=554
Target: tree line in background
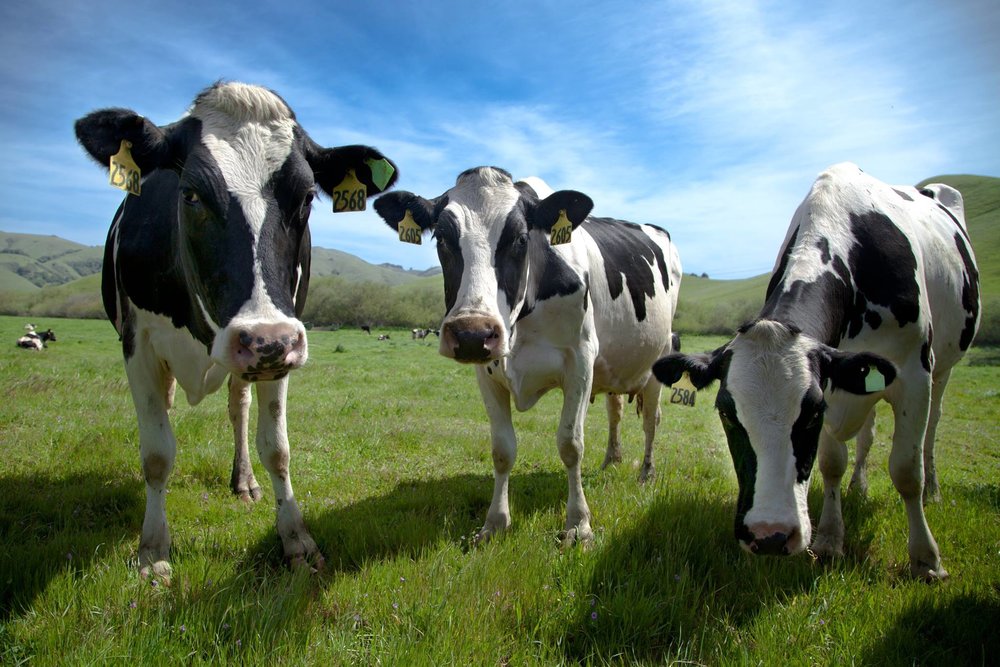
x=334 y=302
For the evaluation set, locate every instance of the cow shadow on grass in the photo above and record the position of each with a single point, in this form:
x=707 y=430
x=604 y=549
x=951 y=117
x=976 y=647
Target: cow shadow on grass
x=663 y=588
x=414 y=515
x=49 y=525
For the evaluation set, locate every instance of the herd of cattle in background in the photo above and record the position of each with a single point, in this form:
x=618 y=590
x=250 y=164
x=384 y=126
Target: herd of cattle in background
x=875 y=295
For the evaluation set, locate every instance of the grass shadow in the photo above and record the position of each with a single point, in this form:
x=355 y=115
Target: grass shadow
x=50 y=523
x=414 y=515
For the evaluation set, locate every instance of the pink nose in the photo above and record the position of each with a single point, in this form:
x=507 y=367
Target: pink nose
x=267 y=351
x=473 y=339
x=774 y=539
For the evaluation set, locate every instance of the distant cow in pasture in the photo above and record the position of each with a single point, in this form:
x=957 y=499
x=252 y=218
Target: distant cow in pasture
x=420 y=334
x=36 y=340
x=589 y=315
x=367 y=329
x=383 y=337
x=206 y=273
x=874 y=296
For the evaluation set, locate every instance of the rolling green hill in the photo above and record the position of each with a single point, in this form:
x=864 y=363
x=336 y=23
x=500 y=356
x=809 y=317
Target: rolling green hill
x=30 y=261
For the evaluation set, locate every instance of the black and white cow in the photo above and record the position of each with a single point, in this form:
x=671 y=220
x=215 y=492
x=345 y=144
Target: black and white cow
x=205 y=277
x=874 y=296
x=589 y=316
x=36 y=340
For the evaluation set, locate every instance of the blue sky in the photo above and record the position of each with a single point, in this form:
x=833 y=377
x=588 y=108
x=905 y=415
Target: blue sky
x=708 y=118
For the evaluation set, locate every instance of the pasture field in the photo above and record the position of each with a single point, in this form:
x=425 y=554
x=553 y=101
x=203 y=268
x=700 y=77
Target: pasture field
x=392 y=468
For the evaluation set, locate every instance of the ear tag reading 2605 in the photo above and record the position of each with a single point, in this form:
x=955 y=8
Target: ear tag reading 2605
x=562 y=230
x=683 y=392
x=123 y=172
x=350 y=195
x=874 y=381
x=409 y=230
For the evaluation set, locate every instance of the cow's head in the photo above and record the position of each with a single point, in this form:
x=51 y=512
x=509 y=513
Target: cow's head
x=771 y=403
x=237 y=175
x=486 y=227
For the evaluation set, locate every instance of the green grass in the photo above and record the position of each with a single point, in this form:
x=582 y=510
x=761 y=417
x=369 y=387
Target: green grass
x=391 y=464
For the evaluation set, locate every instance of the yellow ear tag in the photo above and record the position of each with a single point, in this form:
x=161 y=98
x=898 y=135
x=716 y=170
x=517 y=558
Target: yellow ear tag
x=350 y=195
x=562 y=230
x=123 y=172
x=683 y=391
x=409 y=230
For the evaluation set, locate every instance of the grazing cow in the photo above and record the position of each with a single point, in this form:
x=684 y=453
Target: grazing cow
x=206 y=273
x=34 y=340
x=589 y=316
x=875 y=296
x=367 y=329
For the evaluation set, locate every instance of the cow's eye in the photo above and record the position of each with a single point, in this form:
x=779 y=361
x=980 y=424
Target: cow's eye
x=191 y=197
x=306 y=207
x=521 y=242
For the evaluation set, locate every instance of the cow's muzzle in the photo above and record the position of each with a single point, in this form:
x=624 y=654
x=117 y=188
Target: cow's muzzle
x=264 y=352
x=766 y=539
x=472 y=339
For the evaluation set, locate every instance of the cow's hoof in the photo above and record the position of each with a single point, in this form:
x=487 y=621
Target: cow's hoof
x=250 y=496
x=931 y=496
x=646 y=473
x=581 y=536
x=859 y=487
x=828 y=546
x=924 y=572
x=612 y=457
x=159 y=571
x=313 y=564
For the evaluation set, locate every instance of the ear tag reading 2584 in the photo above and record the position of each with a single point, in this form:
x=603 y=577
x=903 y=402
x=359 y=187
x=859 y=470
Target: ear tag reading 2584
x=409 y=230
x=123 y=172
x=562 y=230
x=350 y=195
x=683 y=392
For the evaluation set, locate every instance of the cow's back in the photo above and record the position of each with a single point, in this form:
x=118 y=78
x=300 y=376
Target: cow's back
x=633 y=272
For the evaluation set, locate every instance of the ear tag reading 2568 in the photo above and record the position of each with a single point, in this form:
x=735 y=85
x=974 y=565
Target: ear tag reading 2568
x=409 y=230
x=123 y=172
x=683 y=392
x=350 y=195
x=562 y=230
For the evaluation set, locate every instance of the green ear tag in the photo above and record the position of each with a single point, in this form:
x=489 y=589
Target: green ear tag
x=382 y=171
x=683 y=392
x=874 y=381
x=409 y=230
x=350 y=195
x=123 y=171
x=562 y=230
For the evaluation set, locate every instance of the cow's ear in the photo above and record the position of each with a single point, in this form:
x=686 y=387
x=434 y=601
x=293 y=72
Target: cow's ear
x=101 y=134
x=703 y=369
x=330 y=166
x=394 y=205
x=857 y=373
x=576 y=204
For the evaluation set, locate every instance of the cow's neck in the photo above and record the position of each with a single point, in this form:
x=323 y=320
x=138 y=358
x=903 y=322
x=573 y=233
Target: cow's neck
x=817 y=308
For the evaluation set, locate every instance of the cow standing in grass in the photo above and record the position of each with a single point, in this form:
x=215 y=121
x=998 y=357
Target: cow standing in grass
x=874 y=296
x=588 y=316
x=205 y=277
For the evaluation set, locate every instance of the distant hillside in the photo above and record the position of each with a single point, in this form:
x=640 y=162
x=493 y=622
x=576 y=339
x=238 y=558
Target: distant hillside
x=30 y=261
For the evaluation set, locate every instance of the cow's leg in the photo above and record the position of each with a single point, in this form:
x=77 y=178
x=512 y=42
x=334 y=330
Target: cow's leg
x=616 y=406
x=650 y=405
x=503 y=442
x=242 y=482
x=863 y=444
x=932 y=492
x=911 y=408
x=829 y=539
x=152 y=386
x=569 y=439
x=272 y=445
